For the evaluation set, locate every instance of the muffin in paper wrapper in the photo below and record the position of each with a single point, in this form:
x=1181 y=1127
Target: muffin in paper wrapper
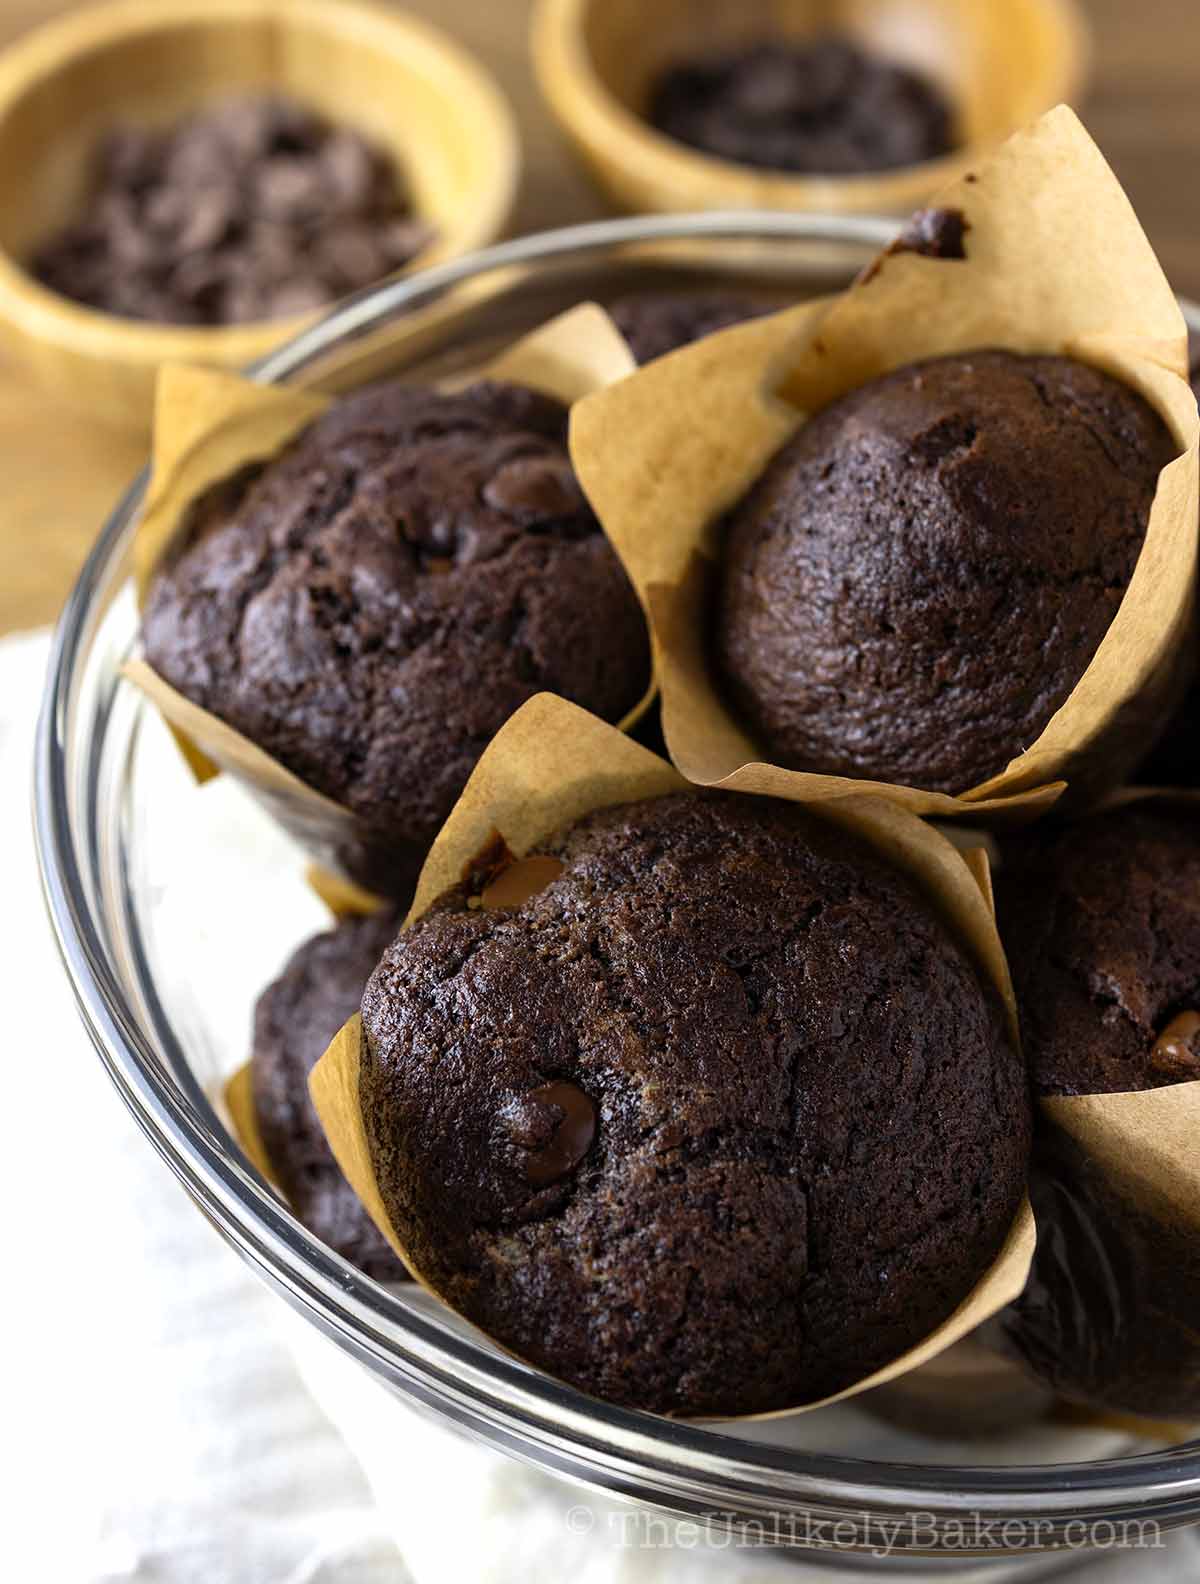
x=1053 y=262
x=207 y=426
x=1111 y=1315
x=551 y=764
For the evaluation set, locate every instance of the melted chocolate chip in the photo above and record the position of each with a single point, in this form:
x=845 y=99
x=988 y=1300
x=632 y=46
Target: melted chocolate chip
x=534 y=489
x=491 y=860
x=933 y=233
x=520 y=881
x=1177 y=1048
x=553 y=1126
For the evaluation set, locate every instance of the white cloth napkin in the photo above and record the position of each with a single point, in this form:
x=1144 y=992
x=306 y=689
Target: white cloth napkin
x=161 y=1406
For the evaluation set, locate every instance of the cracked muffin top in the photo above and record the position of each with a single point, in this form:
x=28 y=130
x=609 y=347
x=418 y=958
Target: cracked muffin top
x=295 y=1018
x=1101 y=923
x=925 y=570
x=372 y=605
x=702 y=1110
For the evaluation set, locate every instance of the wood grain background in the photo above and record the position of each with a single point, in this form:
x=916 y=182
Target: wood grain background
x=1142 y=104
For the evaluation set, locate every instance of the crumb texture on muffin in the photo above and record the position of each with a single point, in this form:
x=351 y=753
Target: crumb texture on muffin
x=789 y=1133
x=655 y=323
x=371 y=607
x=924 y=572
x=1101 y=923
x=294 y=1020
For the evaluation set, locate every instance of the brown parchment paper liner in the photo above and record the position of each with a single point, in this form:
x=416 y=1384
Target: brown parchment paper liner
x=207 y=425
x=551 y=764
x=238 y=1095
x=1112 y=1312
x=1055 y=263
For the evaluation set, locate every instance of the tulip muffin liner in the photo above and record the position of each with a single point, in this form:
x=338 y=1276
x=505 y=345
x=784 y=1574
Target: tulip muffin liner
x=1053 y=261
x=551 y=764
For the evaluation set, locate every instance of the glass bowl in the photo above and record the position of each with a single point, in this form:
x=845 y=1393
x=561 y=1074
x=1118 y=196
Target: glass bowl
x=107 y=822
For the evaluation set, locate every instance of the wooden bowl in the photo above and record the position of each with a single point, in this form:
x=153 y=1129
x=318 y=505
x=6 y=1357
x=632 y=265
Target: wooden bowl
x=1001 y=63
x=379 y=71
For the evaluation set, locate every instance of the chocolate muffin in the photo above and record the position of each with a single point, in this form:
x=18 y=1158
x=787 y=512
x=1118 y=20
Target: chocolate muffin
x=822 y=108
x=702 y=1110
x=371 y=606
x=1174 y=761
x=923 y=573
x=655 y=323
x=295 y=1019
x=1101 y=922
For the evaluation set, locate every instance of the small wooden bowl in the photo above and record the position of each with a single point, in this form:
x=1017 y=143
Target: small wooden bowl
x=396 y=80
x=1001 y=63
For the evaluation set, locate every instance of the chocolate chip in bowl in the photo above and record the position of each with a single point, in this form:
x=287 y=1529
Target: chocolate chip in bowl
x=193 y=180
x=842 y=106
x=254 y=207
x=823 y=106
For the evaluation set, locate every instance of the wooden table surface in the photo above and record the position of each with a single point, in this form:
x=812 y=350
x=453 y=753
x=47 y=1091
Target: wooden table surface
x=61 y=476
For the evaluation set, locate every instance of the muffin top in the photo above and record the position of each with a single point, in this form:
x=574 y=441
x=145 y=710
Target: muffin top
x=1101 y=922
x=655 y=323
x=294 y=1020
x=371 y=606
x=822 y=107
x=923 y=573
x=719 y=1119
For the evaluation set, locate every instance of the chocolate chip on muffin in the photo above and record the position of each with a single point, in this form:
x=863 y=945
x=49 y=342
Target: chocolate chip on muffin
x=655 y=323
x=712 y=1115
x=253 y=208
x=295 y=1018
x=924 y=572
x=822 y=108
x=1101 y=922
x=371 y=606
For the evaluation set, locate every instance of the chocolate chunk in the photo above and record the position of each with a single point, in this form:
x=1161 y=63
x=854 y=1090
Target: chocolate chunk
x=277 y=212
x=534 y=489
x=1176 y=1052
x=553 y=1126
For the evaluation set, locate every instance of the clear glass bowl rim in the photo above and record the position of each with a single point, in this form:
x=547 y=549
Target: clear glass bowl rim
x=674 y=1466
